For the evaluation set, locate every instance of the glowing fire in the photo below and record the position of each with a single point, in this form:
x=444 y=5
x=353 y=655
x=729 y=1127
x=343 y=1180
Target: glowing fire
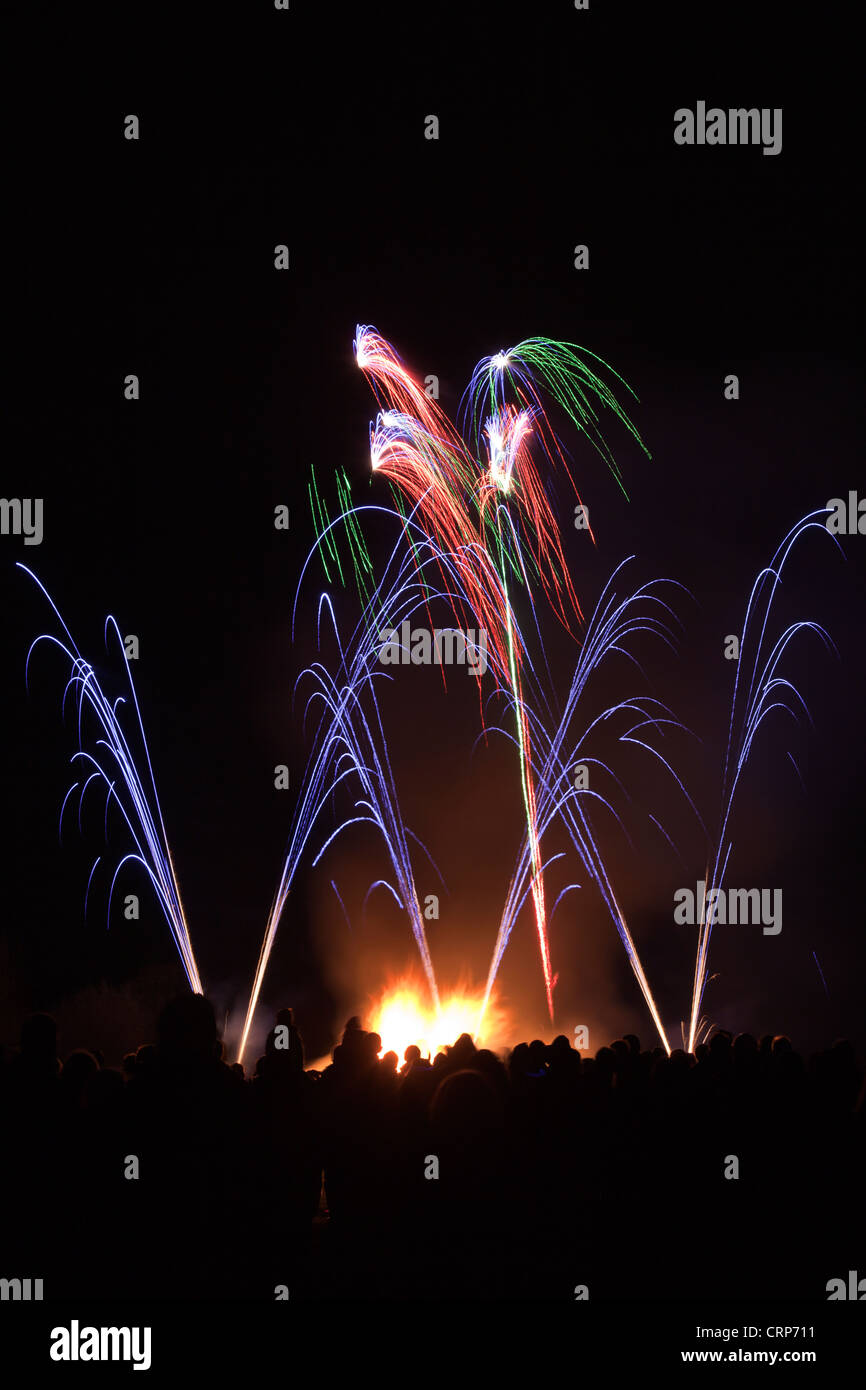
x=403 y=1015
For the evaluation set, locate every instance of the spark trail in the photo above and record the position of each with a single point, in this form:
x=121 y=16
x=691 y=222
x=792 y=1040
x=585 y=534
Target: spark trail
x=113 y=765
x=615 y=621
x=349 y=747
x=759 y=690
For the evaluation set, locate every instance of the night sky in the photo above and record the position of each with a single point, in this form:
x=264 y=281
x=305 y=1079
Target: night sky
x=156 y=257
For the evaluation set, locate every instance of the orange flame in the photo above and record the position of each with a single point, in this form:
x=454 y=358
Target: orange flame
x=403 y=1015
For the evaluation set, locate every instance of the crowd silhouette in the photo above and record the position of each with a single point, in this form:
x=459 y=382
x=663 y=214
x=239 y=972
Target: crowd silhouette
x=471 y=1175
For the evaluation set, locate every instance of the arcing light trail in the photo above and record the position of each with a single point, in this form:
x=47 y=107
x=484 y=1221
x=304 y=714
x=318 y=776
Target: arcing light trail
x=113 y=765
x=349 y=746
x=758 y=691
x=469 y=508
x=614 y=622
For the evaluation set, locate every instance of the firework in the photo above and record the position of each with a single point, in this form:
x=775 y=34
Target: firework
x=759 y=691
x=112 y=765
x=349 y=746
x=614 y=622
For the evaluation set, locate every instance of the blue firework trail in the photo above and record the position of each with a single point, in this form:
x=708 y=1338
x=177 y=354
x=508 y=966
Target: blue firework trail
x=760 y=690
x=108 y=761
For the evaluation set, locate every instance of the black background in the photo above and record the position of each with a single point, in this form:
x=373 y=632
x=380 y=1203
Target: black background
x=156 y=257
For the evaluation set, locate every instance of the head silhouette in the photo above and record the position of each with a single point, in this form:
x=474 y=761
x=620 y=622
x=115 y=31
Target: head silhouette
x=187 y=1030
